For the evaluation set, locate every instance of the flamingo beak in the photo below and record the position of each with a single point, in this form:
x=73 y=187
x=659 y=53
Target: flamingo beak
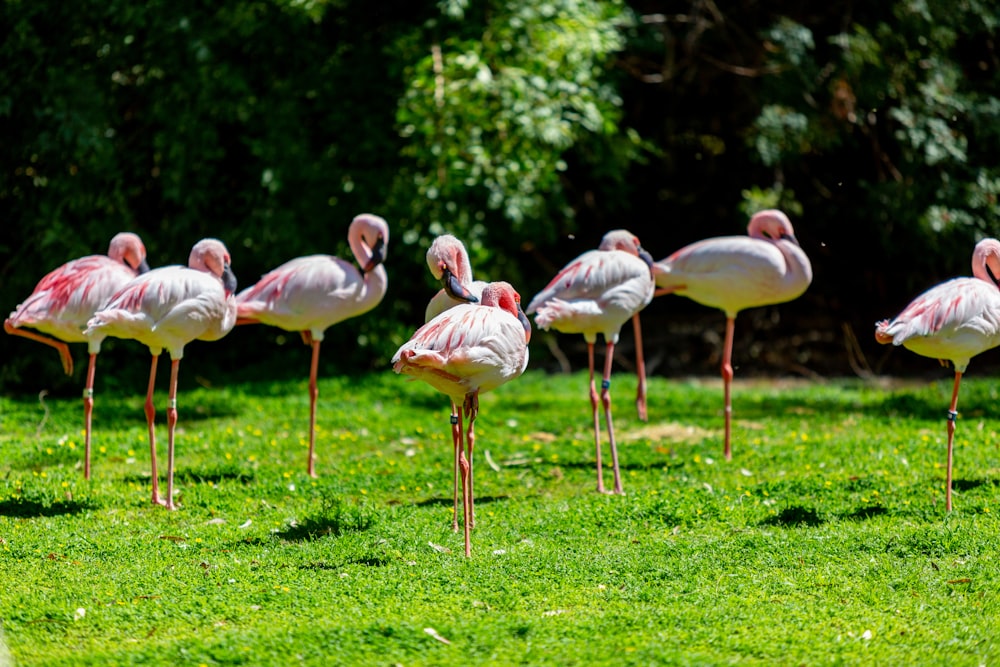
x=143 y=266
x=378 y=255
x=228 y=280
x=790 y=237
x=525 y=322
x=455 y=289
x=646 y=257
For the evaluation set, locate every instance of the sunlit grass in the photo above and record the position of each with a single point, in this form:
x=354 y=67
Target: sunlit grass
x=824 y=540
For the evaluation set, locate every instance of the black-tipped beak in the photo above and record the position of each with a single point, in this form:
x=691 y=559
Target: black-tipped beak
x=789 y=237
x=228 y=280
x=143 y=267
x=455 y=289
x=525 y=322
x=378 y=255
x=646 y=257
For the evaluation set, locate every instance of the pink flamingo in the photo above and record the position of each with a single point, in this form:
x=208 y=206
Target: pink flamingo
x=167 y=308
x=310 y=294
x=467 y=350
x=594 y=294
x=67 y=297
x=953 y=321
x=449 y=263
x=737 y=272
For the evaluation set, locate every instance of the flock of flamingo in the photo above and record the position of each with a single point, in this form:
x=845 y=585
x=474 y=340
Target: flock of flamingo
x=475 y=336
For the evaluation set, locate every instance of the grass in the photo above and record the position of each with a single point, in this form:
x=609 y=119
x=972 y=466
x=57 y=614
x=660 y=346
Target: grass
x=824 y=540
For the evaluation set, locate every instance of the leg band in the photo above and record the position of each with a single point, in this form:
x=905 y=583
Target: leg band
x=952 y=416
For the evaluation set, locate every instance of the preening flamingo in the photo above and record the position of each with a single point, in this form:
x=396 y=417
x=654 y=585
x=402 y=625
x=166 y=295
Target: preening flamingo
x=467 y=350
x=734 y=273
x=953 y=321
x=594 y=294
x=449 y=263
x=67 y=297
x=310 y=294
x=168 y=308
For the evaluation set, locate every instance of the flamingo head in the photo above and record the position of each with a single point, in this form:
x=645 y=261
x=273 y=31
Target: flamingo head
x=986 y=261
x=626 y=241
x=211 y=256
x=771 y=224
x=502 y=295
x=128 y=248
x=449 y=263
x=368 y=236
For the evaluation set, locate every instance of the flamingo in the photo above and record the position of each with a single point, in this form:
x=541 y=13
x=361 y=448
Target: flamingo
x=953 y=321
x=309 y=294
x=167 y=308
x=594 y=294
x=449 y=263
x=733 y=273
x=67 y=297
x=467 y=350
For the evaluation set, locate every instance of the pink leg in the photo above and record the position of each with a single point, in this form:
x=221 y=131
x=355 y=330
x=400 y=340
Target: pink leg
x=313 y=395
x=463 y=464
x=472 y=411
x=64 y=355
x=150 y=423
x=456 y=439
x=88 y=410
x=727 y=383
x=640 y=371
x=952 y=418
x=606 y=401
x=171 y=424
x=597 y=424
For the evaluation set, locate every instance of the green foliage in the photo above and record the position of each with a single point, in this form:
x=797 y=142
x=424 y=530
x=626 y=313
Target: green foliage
x=830 y=517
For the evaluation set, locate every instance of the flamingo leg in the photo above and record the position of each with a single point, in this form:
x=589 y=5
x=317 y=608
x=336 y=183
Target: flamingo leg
x=472 y=411
x=463 y=464
x=727 y=384
x=64 y=355
x=952 y=418
x=456 y=438
x=606 y=401
x=88 y=410
x=150 y=424
x=597 y=424
x=640 y=371
x=313 y=395
x=171 y=424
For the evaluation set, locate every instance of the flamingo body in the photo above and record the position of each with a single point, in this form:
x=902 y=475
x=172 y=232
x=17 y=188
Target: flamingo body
x=167 y=308
x=67 y=297
x=733 y=273
x=953 y=321
x=467 y=350
x=310 y=294
x=596 y=294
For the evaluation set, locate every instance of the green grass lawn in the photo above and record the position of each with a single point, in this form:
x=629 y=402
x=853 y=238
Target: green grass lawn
x=824 y=540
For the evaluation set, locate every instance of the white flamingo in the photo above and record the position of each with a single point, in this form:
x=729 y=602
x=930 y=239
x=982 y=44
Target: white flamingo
x=467 y=350
x=449 y=263
x=734 y=273
x=953 y=321
x=310 y=294
x=167 y=308
x=594 y=294
x=67 y=297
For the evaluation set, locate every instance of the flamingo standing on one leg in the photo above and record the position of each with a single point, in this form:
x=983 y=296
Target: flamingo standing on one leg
x=467 y=350
x=953 y=321
x=310 y=294
x=737 y=272
x=67 y=297
x=596 y=294
x=449 y=263
x=167 y=308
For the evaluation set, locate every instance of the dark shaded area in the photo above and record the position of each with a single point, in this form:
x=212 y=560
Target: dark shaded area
x=865 y=513
x=26 y=508
x=793 y=517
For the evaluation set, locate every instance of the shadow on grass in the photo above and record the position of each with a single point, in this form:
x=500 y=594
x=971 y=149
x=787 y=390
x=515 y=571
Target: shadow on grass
x=794 y=516
x=206 y=476
x=967 y=484
x=335 y=518
x=865 y=513
x=368 y=561
x=25 y=508
x=449 y=501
